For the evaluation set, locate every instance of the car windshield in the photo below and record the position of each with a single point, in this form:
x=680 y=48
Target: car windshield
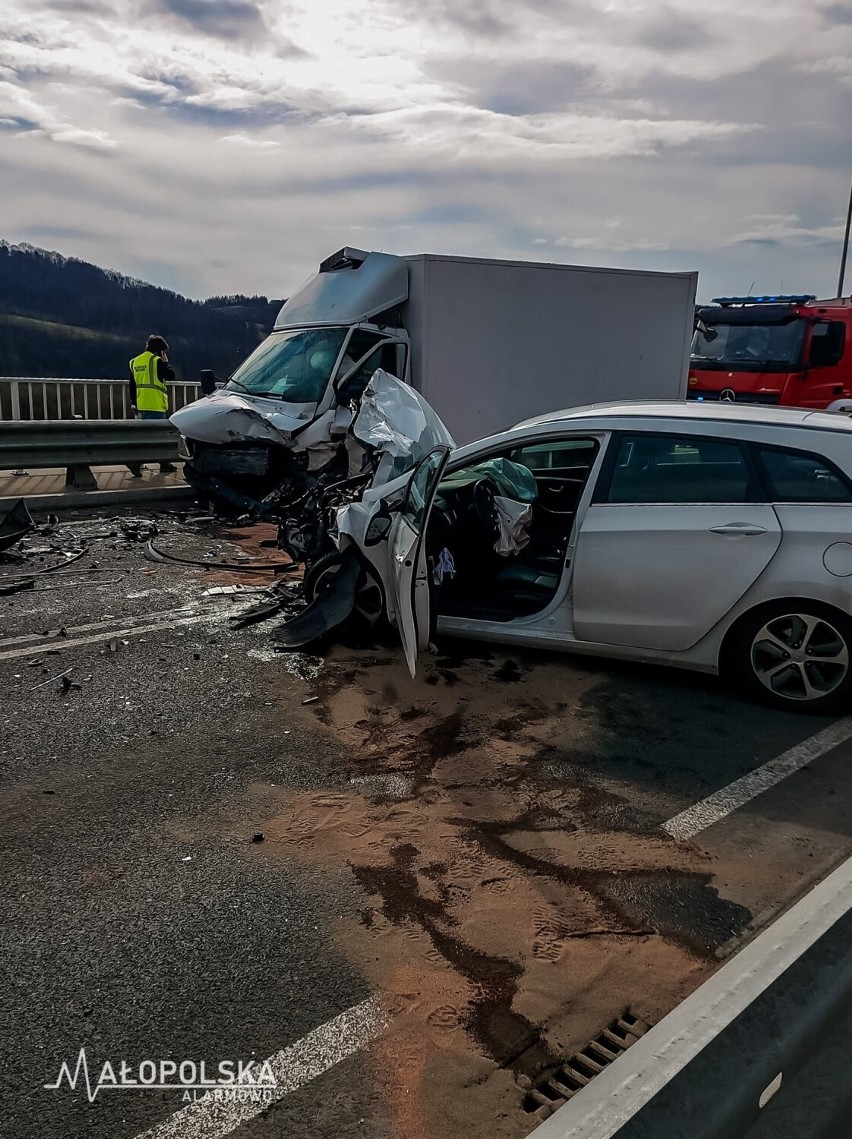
x=749 y=346
x=292 y=366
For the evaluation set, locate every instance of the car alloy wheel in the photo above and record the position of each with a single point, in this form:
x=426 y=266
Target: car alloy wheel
x=800 y=657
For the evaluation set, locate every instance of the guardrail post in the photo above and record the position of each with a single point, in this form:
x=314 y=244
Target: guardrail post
x=15 y=394
x=81 y=478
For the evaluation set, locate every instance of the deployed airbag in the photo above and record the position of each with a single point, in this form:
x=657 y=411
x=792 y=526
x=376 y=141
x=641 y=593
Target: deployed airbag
x=513 y=521
x=512 y=480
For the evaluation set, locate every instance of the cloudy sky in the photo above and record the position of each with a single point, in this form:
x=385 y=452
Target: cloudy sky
x=228 y=145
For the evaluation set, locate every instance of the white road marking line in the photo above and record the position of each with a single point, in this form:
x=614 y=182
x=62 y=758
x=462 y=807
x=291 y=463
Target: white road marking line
x=46 y=640
x=121 y=631
x=723 y=802
x=293 y=1067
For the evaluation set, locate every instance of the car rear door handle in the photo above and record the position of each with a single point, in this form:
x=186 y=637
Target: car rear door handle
x=738 y=529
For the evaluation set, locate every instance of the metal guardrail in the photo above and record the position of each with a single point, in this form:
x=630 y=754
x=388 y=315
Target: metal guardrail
x=28 y=398
x=78 y=445
x=735 y=1060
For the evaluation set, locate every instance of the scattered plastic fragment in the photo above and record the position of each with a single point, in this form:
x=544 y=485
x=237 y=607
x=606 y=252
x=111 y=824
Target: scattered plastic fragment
x=227 y=590
x=58 y=676
x=14 y=524
x=139 y=529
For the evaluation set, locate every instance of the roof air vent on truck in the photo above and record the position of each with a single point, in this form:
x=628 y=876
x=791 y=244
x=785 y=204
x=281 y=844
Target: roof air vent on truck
x=346 y=258
x=795 y=299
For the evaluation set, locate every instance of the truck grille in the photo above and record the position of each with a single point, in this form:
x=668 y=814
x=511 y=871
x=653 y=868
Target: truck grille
x=210 y=460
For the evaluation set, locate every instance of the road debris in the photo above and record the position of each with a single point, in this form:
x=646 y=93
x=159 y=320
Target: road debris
x=138 y=529
x=310 y=700
x=229 y=590
x=157 y=554
x=258 y=836
x=52 y=679
x=70 y=556
x=15 y=522
x=17 y=586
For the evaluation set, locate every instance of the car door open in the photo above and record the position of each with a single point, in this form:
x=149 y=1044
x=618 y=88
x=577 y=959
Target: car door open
x=408 y=565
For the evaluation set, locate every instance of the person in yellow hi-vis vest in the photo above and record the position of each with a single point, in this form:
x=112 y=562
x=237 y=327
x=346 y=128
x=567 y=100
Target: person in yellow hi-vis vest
x=149 y=396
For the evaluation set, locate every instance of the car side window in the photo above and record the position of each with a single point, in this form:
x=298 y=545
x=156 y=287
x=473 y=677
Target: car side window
x=796 y=476
x=558 y=456
x=679 y=469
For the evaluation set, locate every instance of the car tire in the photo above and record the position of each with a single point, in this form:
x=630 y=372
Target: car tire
x=369 y=606
x=794 y=655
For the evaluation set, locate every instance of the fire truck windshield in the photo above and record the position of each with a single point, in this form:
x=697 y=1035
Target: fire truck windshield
x=749 y=347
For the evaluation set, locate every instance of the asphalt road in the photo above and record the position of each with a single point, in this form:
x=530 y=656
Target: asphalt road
x=472 y=861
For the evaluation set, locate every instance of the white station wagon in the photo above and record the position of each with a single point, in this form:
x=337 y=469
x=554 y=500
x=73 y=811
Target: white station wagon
x=710 y=537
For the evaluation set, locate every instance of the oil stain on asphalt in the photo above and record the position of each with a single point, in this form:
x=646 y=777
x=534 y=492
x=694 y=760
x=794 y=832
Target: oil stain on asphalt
x=513 y=903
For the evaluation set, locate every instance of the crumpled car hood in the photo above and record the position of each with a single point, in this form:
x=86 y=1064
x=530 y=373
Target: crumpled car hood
x=228 y=417
x=392 y=418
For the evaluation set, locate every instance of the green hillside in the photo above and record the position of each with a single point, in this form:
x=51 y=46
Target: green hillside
x=64 y=317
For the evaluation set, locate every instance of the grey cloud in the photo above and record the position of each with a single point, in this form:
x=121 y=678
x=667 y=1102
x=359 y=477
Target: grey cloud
x=837 y=13
x=479 y=17
x=175 y=82
x=221 y=18
x=447 y=213
x=460 y=181
x=205 y=114
x=803 y=116
x=520 y=89
x=770 y=241
x=78 y=6
x=489 y=19
x=38 y=233
x=670 y=31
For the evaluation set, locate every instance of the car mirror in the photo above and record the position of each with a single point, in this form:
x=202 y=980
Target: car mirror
x=379 y=527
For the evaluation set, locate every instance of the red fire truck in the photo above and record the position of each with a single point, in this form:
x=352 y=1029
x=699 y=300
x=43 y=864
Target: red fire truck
x=795 y=351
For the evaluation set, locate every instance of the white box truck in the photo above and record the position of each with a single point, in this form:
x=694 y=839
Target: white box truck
x=495 y=342
x=486 y=343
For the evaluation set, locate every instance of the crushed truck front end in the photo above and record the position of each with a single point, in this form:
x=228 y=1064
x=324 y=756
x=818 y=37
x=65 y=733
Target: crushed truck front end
x=280 y=424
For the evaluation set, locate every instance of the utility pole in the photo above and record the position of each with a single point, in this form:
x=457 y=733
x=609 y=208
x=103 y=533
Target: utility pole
x=845 y=247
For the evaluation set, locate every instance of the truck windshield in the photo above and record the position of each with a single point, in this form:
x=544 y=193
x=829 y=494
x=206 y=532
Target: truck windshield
x=292 y=366
x=749 y=347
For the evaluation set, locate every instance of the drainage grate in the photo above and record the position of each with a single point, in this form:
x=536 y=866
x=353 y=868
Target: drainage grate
x=554 y=1089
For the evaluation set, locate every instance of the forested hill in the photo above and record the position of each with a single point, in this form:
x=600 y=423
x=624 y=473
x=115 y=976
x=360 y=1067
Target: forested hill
x=63 y=317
